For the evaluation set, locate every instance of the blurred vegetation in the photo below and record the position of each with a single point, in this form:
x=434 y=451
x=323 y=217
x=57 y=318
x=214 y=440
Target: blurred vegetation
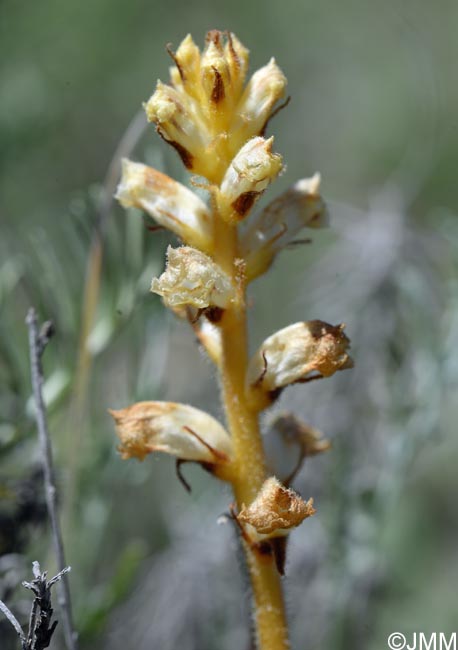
x=374 y=106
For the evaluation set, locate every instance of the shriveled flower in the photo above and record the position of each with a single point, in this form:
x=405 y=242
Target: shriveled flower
x=288 y=441
x=249 y=174
x=192 y=279
x=170 y=203
x=176 y=429
x=294 y=431
x=205 y=114
x=297 y=353
x=275 y=510
x=301 y=206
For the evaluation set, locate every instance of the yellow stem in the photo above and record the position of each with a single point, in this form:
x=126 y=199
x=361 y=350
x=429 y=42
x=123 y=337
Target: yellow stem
x=249 y=471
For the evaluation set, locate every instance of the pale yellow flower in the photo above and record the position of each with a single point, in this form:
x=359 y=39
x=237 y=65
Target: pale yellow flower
x=249 y=174
x=264 y=89
x=170 y=203
x=176 y=429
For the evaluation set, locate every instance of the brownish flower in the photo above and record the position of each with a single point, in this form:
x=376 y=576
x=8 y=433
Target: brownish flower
x=275 y=510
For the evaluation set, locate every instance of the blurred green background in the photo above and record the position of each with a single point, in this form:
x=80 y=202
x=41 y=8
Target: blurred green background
x=374 y=109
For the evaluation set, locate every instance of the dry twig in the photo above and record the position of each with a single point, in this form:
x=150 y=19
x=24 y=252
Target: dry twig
x=41 y=629
x=37 y=343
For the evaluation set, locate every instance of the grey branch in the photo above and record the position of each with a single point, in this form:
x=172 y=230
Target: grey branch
x=37 y=344
x=15 y=623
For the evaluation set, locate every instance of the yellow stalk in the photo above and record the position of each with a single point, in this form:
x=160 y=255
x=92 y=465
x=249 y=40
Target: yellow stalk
x=217 y=129
x=248 y=471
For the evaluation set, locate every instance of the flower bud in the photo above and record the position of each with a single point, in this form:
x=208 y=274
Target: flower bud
x=298 y=353
x=186 y=75
x=301 y=206
x=275 y=511
x=176 y=429
x=265 y=88
x=249 y=174
x=192 y=279
x=237 y=58
x=216 y=76
x=178 y=123
x=170 y=203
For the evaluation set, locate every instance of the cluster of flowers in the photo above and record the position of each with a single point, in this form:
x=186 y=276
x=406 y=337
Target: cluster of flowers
x=216 y=123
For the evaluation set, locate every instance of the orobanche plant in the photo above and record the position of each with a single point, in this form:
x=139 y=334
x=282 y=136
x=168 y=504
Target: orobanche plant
x=217 y=124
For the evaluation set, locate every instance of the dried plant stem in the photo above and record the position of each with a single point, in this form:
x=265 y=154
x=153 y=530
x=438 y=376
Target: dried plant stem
x=37 y=343
x=249 y=470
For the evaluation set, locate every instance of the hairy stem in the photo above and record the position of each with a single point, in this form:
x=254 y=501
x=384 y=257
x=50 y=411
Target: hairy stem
x=249 y=470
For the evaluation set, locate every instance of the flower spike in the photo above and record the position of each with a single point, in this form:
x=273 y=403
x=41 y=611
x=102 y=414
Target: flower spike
x=216 y=117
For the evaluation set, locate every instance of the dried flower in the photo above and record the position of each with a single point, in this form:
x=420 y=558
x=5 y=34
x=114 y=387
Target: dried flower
x=192 y=278
x=301 y=206
x=275 y=510
x=249 y=174
x=170 y=203
x=294 y=354
x=176 y=429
